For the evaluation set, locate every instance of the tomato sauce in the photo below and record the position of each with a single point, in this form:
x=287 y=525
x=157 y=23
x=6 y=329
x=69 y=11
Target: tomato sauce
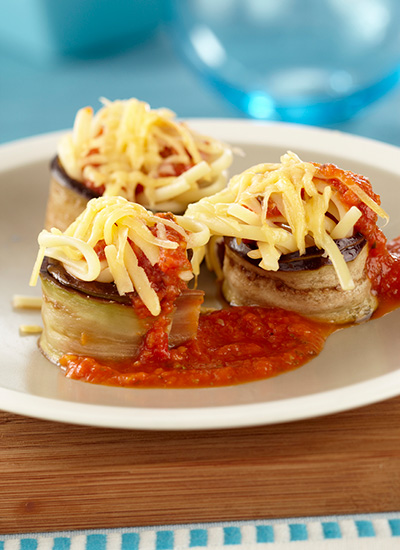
x=234 y=345
x=164 y=276
x=384 y=270
x=380 y=259
x=244 y=344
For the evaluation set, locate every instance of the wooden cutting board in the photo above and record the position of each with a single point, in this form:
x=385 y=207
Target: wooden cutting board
x=59 y=476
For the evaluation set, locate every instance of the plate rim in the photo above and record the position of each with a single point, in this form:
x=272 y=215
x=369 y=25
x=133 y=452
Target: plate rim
x=41 y=147
x=233 y=416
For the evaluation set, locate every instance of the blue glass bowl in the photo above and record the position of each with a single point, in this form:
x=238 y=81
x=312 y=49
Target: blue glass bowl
x=307 y=61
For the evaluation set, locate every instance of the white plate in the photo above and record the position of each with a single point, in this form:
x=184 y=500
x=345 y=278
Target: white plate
x=358 y=366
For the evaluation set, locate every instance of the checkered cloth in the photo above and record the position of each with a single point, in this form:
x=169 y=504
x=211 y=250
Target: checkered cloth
x=367 y=532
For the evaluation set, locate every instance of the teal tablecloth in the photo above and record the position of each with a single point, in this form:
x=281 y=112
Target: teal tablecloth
x=372 y=532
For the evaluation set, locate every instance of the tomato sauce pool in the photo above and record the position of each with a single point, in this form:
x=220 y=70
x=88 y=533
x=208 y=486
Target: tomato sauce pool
x=234 y=345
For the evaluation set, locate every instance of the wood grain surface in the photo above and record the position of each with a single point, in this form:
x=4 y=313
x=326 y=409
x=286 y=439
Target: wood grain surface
x=58 y=476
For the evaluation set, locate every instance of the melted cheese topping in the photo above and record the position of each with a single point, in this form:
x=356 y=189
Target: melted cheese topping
x=143 y=155
x=114 y=221
x=283 y=209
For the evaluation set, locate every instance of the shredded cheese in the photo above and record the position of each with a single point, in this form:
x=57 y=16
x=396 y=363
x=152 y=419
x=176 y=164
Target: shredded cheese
x=283 y=209
x=26 y=330
x=144 y=155
x=112 y=221
x=26 y=302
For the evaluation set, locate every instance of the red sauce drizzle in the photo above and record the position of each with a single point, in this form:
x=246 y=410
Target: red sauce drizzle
x=164 y=276
x=243 y=344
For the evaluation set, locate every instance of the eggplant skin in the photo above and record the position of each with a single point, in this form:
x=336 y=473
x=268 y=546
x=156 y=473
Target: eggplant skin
x=53 y=269
x=314 y=257
x=314 y=293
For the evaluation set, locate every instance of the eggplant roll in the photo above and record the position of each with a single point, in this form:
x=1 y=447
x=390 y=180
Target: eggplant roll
x=298 y=235
x=93 y=320
x=144 y=155
x=115 y=273
x=305 y=284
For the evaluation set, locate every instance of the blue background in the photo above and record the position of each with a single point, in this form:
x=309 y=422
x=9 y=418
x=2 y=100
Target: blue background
x=42 y=94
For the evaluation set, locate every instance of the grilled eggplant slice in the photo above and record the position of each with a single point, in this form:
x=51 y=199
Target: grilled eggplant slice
x=92 y=320
x=67 y=198
x=306 y=284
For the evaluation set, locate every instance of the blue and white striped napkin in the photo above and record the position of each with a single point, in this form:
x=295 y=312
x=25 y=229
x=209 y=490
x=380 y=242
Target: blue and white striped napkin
x=366 y=532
